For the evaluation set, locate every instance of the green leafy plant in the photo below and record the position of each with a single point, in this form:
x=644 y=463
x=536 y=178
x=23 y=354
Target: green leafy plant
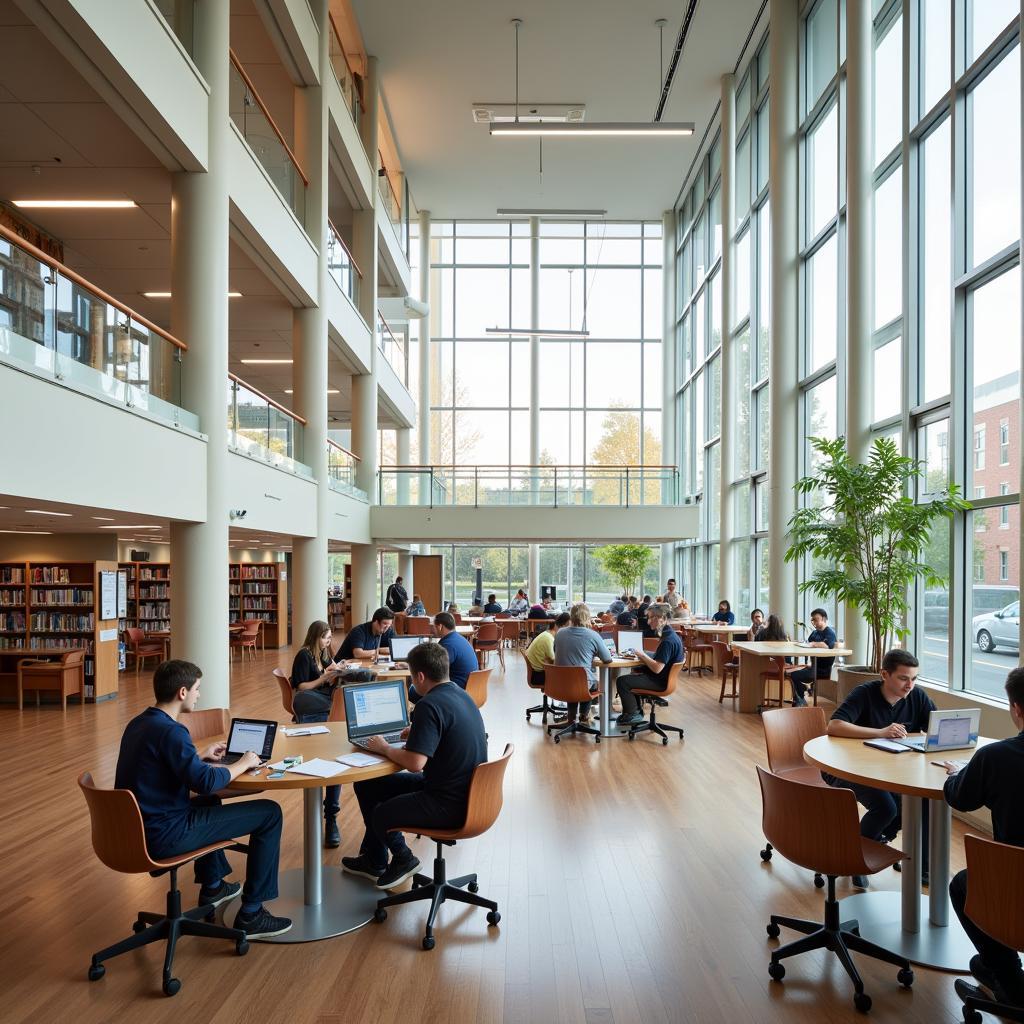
x=866 y=535
x=626 y=564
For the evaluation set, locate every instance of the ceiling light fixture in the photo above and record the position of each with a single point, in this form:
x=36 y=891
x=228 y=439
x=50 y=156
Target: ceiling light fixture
x=266 y=362
x=537 y=332
x=45 y=512
x=330 y=391
x=34 y=533
x=129 y=526
x=508 y=211
x=167 y=295
x=105 y=519
x=74 y=204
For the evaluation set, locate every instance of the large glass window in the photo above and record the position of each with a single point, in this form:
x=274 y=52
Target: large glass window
x=889 y=249
x=822 y=296
x=936 y=264
x=888 y=84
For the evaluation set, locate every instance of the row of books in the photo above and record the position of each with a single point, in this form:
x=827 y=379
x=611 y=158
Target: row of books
x=155 y=609
x=63 y=644
x=71 y=595
x=234 y=590
x=61 y=622
x=11 y=622
x=264 y=603
x=50 y=574
x=11 y=574
x=152 y=625
x=259 y=572
x=12 y=597
x=259 y=588
x=250 y=614
x=154 y=574
x=151 y=593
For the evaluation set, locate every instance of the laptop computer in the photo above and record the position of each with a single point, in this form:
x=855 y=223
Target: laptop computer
x=947 y=730
x=609 y=642
x=249 y=734
x=402 y=645
x=376 y=709
x=630 y=640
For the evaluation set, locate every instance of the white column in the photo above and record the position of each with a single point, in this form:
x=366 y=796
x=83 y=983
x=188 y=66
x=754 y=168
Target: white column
x=669 y=455
x=423 y=412
x=534 y=553
x=1020 y=405
x=199 y=316
x=728 y=434
x=859 y=245
x=309 y=337
x=784 y=393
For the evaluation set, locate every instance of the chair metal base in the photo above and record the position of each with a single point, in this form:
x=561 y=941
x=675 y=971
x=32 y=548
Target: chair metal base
x=841 y=938
x=651 y=725
x=438 y=890
x=544 y=709
x=974 y=1007
x=572 y=728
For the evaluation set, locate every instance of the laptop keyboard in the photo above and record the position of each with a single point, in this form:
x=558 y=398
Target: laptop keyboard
x=387 y=737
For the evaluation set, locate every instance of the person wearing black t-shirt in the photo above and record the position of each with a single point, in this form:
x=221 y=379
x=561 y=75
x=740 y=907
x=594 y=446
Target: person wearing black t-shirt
x=654 y=669
x=992 y=779
x=641 y=612
x=443 y=746
x=368 y=639
x=886 y=708
x=823 y=635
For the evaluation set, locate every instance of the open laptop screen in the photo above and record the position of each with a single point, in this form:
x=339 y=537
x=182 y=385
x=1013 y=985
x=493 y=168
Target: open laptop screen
x=402 y=645
x=372 y=708
x=631 y=640
x=252 y=734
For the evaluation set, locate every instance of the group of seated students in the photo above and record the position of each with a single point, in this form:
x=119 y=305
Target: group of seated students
x=821 y=635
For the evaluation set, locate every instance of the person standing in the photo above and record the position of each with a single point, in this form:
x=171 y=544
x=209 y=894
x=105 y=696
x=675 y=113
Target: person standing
x=654 y=668
x=397 y=598
x=672 y=597
x=992 y=779
x=577 y=645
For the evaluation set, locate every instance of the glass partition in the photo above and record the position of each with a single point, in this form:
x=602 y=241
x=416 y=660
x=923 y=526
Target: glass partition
x=259 y=427
x=341 y=471
x=345 y=76
x=340 y=264
x=393 y=349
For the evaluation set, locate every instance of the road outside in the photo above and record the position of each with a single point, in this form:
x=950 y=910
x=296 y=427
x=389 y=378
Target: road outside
x=988 y=671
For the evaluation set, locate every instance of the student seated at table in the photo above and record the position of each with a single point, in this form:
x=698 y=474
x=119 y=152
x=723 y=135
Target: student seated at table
x=476 y=610
x=416 y=608
x=492 y=607
x=654 y=668
x=886 y=708
x=772 y=630
x=683 y=610
x=369 y=639
x=618 y=605
x=453 y=609
x=756 y=622
x=823 y=635
x=992 y=779
x=538 y=611
x=578 y=644
x=443 y=746
x=541 y=651
x=627 y=617
x=461 y=657
x=520 y=604
x=641 y=611
x=724 y=614
x=159 y=764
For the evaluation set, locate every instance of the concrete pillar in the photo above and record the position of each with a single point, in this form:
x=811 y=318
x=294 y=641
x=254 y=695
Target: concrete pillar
x=669 y=456
x=424 y=456
x=309 y=342
x=728 y=435
x=857 y=374
x=199 y=316
x=405 y=571
x=365 y=582
x=784 y=394
x=534 y=553
x=403 y=447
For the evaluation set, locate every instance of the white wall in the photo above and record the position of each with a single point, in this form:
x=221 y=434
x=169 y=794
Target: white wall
x=274 y=500
x=358 y=179
x=392 y=394
x=290 y=24
x=347 y=331
x=394 y=265
x=348 y=519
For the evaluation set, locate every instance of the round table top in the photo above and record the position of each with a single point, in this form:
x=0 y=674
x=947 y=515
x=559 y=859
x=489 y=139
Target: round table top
x=911 y=773
x=326 y=745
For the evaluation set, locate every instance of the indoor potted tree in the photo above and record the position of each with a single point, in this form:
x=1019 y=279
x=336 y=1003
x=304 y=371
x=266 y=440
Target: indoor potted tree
x=626 y=564
x=865 y=537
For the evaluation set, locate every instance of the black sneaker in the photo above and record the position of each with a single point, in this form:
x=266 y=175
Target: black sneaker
x=262 y=924
x=398 y=871
x=627 y=721
x=361 y=866
x=859 y=881
x=332 y=837
x=982 y=973
x=965 y=990
x=225 y=891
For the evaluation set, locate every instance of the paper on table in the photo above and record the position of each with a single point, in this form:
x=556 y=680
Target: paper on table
x=306 y=730
x=318 y=767
x=358 y=760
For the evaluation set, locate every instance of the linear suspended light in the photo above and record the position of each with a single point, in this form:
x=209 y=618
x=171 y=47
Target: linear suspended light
x=537 y=331
x=508 y=211
x=656 y=129
x=167 y=295
x=74 y=204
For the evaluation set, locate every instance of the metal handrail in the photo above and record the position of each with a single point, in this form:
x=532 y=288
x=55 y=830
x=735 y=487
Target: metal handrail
x=65 y=271
x=384 y=323
x=344 y=245
x=391 y=187
x=341 y=448
x=528 y=465
x=266 y=398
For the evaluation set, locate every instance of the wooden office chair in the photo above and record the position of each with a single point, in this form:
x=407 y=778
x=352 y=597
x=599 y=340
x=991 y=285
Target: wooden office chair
x=778 y=673
x=65 y=676
x=482 y=809
x=119 y=839
x=247 y=639
x=476 y=686
x=209 y=722
x=656 y=699
x=570 y=685
x=818 y=828
x=487 y=639
x=286 y=692
x=995 y=903
x=786 y=730
x=418 y=625
x=137 y=646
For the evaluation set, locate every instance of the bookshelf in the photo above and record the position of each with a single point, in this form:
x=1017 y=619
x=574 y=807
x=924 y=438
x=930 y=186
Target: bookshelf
x=149 y=596
x=51 y=607
x=262 y=593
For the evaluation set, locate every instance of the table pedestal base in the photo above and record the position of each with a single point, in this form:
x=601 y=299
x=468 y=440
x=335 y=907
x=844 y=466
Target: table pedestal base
x=879 y=914
x=348 y=903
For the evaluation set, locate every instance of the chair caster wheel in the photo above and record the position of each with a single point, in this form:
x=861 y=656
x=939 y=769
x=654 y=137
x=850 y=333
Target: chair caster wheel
x=905 y=977
x=428 y=942
x=766 y=855
x=597 y=739
x=493 y=917
x=558 y=739
x=242 y=947
x=630 y=736
x=773 y=930
x=664 y=741
x=380 y=914
x=96 y=971
x=171 y=986
x=819 y=882
x=139 y=926
x=776 y=971
x=473 y=887
x=862 y=1001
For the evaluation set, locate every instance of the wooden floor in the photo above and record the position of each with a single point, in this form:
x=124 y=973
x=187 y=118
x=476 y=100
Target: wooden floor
x=627 y=875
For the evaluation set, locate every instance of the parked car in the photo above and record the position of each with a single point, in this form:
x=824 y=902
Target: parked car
x=997 y=629
x=936 y=609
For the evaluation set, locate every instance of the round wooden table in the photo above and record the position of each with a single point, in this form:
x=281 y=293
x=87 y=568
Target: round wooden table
x=918 y=927
x=608 y=673
x=320 y=904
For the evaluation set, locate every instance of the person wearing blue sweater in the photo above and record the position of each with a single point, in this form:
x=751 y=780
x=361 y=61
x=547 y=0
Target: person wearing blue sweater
x=159 y=763
x=724 y=614
x=462 y=658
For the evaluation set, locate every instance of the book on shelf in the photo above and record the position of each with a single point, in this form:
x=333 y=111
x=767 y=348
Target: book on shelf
x=67 y=597
x=50 y=574
x=12 y=574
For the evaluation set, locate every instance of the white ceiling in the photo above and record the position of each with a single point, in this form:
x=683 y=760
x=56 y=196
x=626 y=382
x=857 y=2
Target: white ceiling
x=436 y=59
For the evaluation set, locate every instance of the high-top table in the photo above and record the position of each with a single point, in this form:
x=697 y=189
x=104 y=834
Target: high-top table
x=918 y=927
x=321 y=904
x=758 y=656
x=720 y=631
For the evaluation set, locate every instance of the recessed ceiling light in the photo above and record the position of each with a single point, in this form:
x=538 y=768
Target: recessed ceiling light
x=34 y=533
x=74 y=204
x=266 y=362
x=45 y=512
x=106 y=519
x=655 y=129
x=167 y=295
x=330 y=391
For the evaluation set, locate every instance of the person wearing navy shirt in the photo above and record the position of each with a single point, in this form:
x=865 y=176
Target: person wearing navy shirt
x=886 y=708
x=655 y=668
x=462 y=658
x=823 y=635
x=368 y=638
x=492 y=607
x=724 y=613
x=443 y=746
x=159 y=763
x=992 y=779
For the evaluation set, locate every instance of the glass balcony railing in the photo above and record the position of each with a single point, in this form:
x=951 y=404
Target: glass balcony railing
x=393 y=348
x=341 y=471
x=56 y=324
x=253 y=120
x=395 y=200
x=344 y=74
x=260 y=427
x=180 y=15
x=549 y=486
x=341 y=265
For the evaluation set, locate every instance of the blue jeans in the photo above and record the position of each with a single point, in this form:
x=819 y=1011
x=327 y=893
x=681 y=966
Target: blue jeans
x=399 y=800
x=211 y=822
x=314 y=706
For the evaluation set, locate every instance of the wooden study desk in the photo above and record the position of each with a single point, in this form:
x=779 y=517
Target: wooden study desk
x=757 y=657
x=720 y=631
x=607 y=673
x=320 y=904
x=918 y=927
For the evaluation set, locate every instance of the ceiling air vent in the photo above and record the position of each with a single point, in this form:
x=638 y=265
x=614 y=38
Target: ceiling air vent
x=530 y=113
